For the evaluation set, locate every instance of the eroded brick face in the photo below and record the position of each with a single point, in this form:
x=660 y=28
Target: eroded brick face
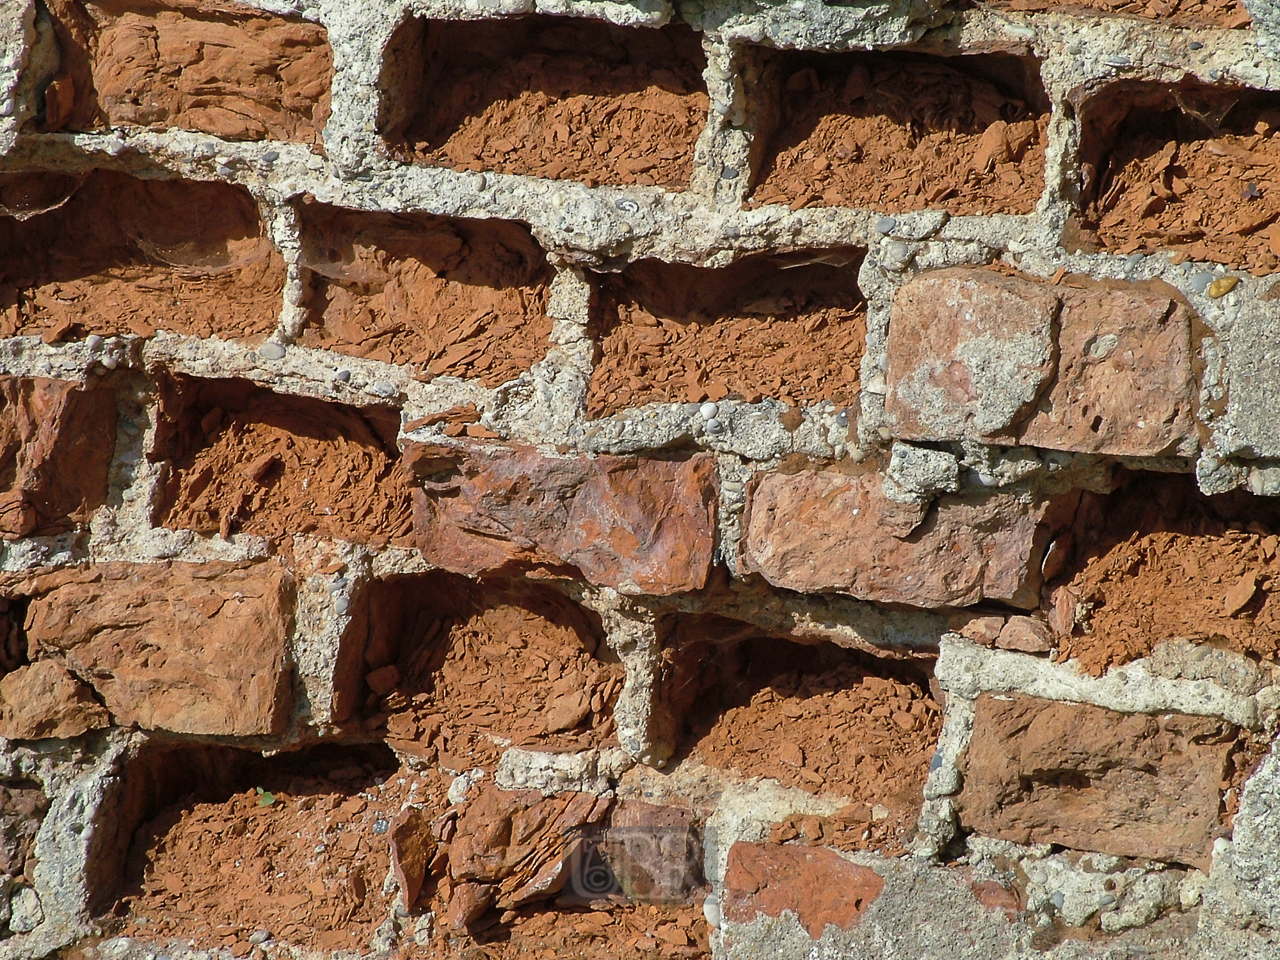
x=109 y=254
x=641 y=525
x=829 y=531
x=819 y=887
x=1133 y=785
x=218 y=68
x=56 y=444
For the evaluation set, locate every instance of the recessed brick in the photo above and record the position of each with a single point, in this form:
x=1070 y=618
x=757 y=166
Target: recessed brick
x=57 y=439
x=1168 y=167
x=549 y=96
x=1131 y=785
x=242 y=459
x=638 y=524
x=1087 y=367
x=455 y=671
x=822 y=530
x=1229 y=14
x=792 y=327
x=834 y=722
x=184 y=647
x=214 y=67
x=1156 y=560
x=125 y=255
x=462 y=298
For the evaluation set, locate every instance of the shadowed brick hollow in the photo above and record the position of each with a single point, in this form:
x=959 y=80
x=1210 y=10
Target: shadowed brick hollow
x=897 y=132
x=244 y=816
x=462 y=298
x=790 y=327
x=549 y=97
x=127 y=256
x=1227 y=14
x=1184 y=168
x=827 y=720
x=1157 y=560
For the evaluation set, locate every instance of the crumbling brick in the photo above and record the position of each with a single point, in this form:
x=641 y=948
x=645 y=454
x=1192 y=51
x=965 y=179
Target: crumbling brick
x=215 y=67
x=552 y=97
x=126 y=256
x=638 y=524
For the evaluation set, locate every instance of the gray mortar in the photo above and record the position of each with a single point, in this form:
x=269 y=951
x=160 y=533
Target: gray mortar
x=79 y=778
x=17 y=37
x=326 y=607
x=1245 y=878
x=645 y=731
x=588 y=771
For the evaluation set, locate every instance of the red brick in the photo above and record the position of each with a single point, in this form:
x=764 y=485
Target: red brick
x=827 y=531
x=816 y=884
x=635 y=524
x=56 y=444
x=1131 y=785
x=184 y=647
x=969 y=353
x=43 y=700
x=1087 y=367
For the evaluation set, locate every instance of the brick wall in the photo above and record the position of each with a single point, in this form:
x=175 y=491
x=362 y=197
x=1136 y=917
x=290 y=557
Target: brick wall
x=619 y=479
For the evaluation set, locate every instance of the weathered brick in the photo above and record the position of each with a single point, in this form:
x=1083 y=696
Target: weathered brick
x=828 y=531
x=1132 y=785
x=1091 y=368
x=183 y=647
x=42 y=700
x=653 y=851
x=634 y=524
x=56 y=444
x=817 y=885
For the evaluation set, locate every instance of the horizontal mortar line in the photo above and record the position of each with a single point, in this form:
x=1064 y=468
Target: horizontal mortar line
x=967 y=669
x=865 y=625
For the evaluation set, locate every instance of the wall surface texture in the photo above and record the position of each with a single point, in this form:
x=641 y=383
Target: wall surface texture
x=614 y=478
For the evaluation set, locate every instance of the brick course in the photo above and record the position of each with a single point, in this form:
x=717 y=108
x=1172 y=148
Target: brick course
x=458 y=442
